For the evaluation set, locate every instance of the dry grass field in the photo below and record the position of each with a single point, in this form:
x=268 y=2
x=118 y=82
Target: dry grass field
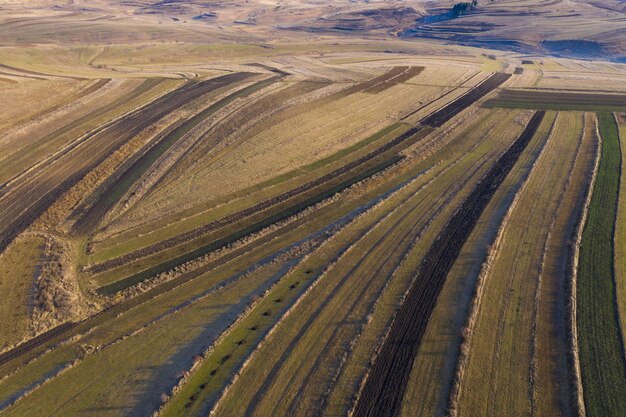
x=300 y=208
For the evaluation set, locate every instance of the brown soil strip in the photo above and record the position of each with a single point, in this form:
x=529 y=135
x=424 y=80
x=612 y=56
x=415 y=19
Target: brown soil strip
x=557 y=100
x=407 y=74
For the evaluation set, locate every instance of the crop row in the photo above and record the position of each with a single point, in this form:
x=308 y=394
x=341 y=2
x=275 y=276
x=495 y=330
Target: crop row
x=27 y=199
x=558 y=100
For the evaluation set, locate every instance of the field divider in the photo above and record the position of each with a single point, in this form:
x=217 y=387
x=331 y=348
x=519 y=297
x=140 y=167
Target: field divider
x=620 y=329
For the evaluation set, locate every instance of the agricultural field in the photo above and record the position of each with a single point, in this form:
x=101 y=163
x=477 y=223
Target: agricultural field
x=282 y=208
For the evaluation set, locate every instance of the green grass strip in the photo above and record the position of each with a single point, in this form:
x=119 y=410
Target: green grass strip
x=601 y=352
x=538 y=105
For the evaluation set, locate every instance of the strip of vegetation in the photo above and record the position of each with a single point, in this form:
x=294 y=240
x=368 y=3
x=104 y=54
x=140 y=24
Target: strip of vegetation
x=600 y=343
x=557 y=100
x=463 y=8
x=385 y=386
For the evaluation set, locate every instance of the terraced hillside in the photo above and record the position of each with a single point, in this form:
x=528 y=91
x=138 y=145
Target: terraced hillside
x=306 y=227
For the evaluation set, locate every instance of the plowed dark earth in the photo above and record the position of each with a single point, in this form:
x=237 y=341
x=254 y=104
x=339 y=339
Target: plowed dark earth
x=386 y=383
x=24 y=201
x=457 y=106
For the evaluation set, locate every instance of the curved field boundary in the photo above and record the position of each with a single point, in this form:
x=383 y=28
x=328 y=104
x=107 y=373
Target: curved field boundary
x=113 y=191
x=405 y=75
x=386 y=383
x=620 y=234
x=36 y=74
x=601 y=352
x=31 y=203
x=573 y=356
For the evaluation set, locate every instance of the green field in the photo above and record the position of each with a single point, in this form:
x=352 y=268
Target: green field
x=601 y=349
